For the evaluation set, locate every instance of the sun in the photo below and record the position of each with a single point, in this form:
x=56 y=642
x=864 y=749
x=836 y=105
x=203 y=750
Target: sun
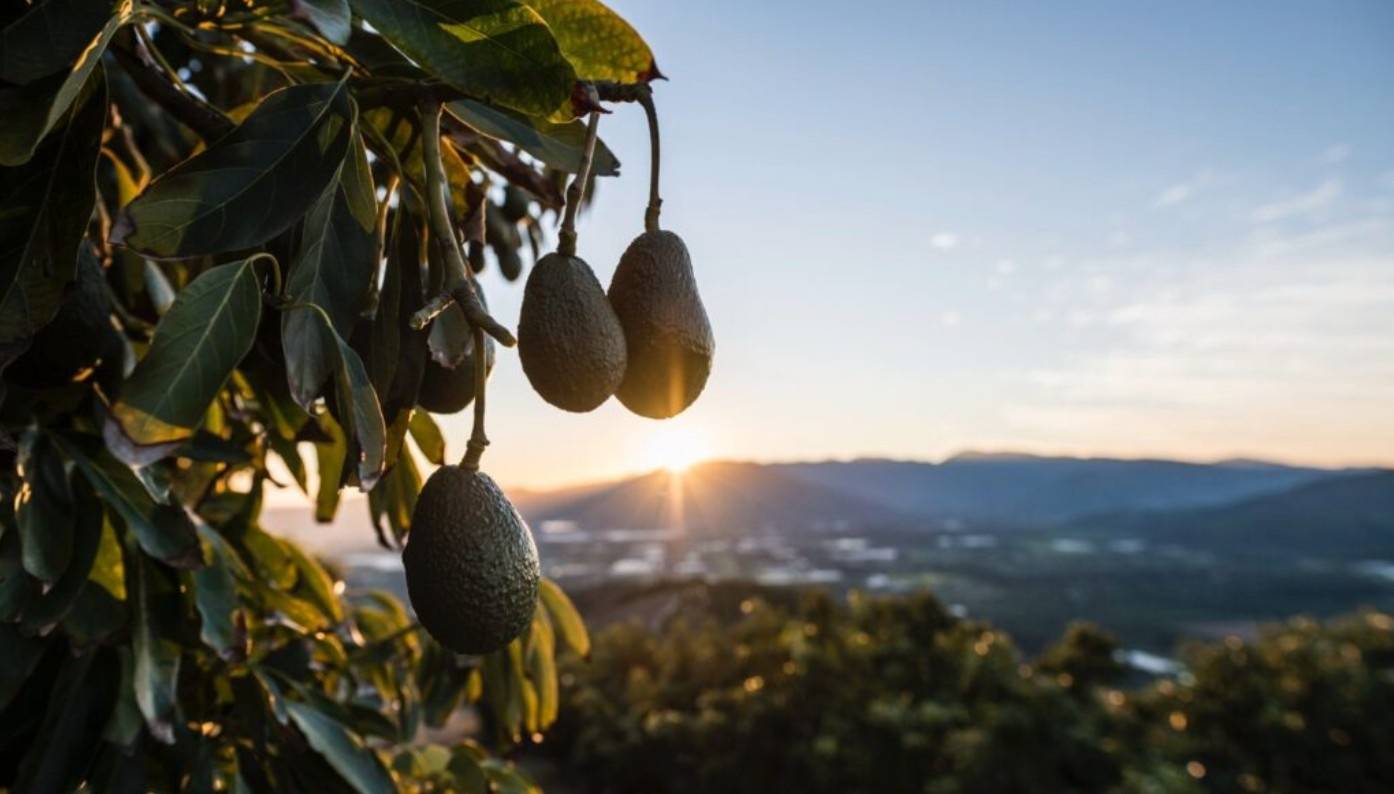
x=675 y=448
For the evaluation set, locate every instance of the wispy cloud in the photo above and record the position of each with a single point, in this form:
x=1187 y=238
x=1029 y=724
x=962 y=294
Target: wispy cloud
x=1182 y=192
x=944 y=241
x=1315 y=200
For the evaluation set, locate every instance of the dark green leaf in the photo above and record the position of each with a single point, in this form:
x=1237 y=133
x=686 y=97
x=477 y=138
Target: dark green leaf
x=156 y=655
x=250 y=185
x=394 y=497
x=358 y=765
x=124 y=726
x=333 y=268
x=427 y=435
x=330 y=17
x=358 y=407
x=32 y=111
x=164 y=531
x=565 y=619
x=597 y=41
x=44 y=513
x=49 y=37
x=197 y=344
x=17 y=589
x=55 y=604
x=491 y=49
x=223 y=624
x=559 y=145
x=45 y=205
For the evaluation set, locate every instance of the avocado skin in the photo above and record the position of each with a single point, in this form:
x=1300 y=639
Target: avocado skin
x=670 y=342
x=79 y=335
x=471 y=565
x=569 y=340
x=449 y=391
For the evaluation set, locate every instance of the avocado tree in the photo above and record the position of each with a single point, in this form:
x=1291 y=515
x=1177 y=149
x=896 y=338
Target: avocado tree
x=238 y=241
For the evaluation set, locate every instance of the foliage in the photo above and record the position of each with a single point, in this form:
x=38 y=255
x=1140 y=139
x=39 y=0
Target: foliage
x=213 y=240
x=894 y=694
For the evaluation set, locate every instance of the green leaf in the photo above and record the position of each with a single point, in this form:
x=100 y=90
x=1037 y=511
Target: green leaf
x=156 y=655
x=49 y=37
x=559 y=145
x=17 y=589
x=394 y=497
x=248 y=186
x=330 y=17
x=565 y=618
x=491 y=49
x=597 y=41
x=359 y=409
x=358 y=765
x=542 y=667
x=45 y=205
x=333 y=268
x=33 y=110
x=427 y=435
x=55 y=604
x=164 y=531
x=223 y=624
x=401 y=131
x=197 y=344
x=44 y=513
x=315 y=584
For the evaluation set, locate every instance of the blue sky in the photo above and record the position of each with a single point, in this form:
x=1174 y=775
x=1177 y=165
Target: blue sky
x=1090 y=227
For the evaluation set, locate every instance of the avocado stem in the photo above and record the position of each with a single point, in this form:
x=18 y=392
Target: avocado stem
x=459 y=282
x=655 y=203
x=566 y=244
x=474 y=448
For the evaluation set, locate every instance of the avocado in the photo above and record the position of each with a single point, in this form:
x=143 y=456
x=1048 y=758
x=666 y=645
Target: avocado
x=471 y=565
x=448 y=391
x=516 y=204
x=569 y=340
x=79 y=338
x=502 y=235
x=670 y=343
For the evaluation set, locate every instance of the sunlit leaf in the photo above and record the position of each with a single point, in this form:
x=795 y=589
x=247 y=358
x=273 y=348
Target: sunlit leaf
x=315 y=584
x=45 y=205
x=332 y=268
x=248 y=186
x=330 y=456
x=344 y=751
x=559 y=145
x=427 y=435
x=491 y=49
x=565 y=619
x=597 y=41
x=198 y=342
x=32 y=111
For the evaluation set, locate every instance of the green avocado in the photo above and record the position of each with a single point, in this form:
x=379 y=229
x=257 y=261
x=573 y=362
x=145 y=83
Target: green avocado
x=449 y=391
x=471 y=565
x=569 y=340
x=670 y=343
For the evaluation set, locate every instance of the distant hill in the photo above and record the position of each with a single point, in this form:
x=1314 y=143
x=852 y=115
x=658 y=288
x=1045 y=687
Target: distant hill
x=710 y=496
x=1031 y=490
x=1344 y=517
x=1001 y=490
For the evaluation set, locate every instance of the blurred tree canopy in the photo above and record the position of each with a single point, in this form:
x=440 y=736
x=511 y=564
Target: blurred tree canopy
x=894 y=694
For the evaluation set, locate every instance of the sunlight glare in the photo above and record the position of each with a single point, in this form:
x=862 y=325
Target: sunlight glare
x=675 y=448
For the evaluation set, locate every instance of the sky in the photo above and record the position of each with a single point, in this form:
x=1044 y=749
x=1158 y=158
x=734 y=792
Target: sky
x=1090 y=228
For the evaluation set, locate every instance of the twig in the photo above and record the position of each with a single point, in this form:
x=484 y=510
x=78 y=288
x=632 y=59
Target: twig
x=474 y=448
x=566 y=243
x=459 y=285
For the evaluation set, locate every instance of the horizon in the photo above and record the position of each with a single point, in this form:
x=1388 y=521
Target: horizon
x=1168 y=236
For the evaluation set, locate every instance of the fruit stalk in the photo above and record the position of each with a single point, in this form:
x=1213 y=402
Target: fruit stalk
x=655 y=203
x=566 y=243
x=459 y=284
x=474 y=448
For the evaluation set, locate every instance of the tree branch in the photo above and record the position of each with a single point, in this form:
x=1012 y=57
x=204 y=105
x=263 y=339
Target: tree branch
x=206 y=121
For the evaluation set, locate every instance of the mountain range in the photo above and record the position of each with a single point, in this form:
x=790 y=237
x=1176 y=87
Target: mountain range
x=973 y=489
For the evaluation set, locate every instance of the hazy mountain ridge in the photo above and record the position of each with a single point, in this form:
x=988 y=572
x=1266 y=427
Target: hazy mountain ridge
x=986 y=489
